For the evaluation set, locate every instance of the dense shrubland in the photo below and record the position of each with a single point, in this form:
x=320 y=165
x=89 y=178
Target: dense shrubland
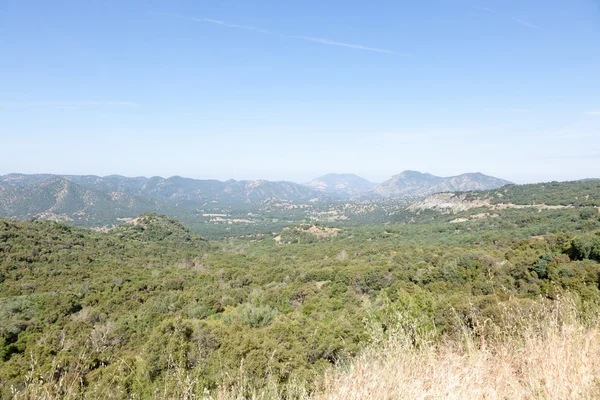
x=149 y=309
x=576 y=193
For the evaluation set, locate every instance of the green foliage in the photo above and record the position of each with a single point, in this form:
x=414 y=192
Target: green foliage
x=250 y=315
x=577 y=193
x=150 y=297
x=586 y=247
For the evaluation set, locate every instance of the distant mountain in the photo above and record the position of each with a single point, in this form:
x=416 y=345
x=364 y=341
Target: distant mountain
x=90 y=200
x=60 y=199
x=194 y=192
x=111 y=183
x=14 y=180
x=341 y=185
x=178 y=190
x=97 y=201
x=417 y=184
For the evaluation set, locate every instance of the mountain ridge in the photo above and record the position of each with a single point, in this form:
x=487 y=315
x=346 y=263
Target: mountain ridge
x=90 y=200
x=417 y=184
x=61 y=199
x=341 y=185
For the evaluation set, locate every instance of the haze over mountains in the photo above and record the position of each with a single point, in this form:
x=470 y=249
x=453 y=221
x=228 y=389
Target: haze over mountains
x=417 y=184
x=342 y=185
x=405 y=184
x=94 y=200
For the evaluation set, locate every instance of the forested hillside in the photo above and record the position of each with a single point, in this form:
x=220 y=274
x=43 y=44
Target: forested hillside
x=129 y=310
x=577 y=193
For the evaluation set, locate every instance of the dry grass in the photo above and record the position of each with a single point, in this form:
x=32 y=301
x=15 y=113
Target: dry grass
x=540 y=351
x=532 y=354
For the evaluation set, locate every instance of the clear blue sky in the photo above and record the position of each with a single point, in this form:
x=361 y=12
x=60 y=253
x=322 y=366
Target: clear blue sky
x=298 y=88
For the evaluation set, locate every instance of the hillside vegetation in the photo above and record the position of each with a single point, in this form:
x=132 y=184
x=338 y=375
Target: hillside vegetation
x=584 y=193
x=150 y=309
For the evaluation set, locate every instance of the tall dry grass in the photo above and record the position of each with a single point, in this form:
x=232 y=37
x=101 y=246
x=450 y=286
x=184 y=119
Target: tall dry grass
x=538 y=351
x=546 y=352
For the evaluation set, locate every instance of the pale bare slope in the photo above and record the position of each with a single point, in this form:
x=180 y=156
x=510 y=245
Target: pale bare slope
x=452 y=203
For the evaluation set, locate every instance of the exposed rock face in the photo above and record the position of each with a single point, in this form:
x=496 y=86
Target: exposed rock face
x=448 y=202
x=452 y=203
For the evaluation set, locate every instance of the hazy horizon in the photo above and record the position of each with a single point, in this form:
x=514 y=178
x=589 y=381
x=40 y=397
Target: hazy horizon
x=295 y=90
x=200 y=177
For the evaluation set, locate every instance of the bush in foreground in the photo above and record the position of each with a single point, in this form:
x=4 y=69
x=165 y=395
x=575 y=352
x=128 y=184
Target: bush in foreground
x=534 y=350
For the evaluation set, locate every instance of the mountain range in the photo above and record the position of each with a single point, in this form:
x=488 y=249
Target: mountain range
x=417 y=184
x=97 y=201
x=405 y=184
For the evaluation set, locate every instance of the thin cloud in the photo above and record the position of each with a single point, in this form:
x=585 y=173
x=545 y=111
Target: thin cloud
x=305 y=38
x=229 y=25
x=592 y=113
x=511 y=110
x=520 y=21
x=527 y=23
x=422 y=136
x=107 y=103
x=480 y=8
x=592 y=155
x=69 y=104
x=350 y=45
x=578 y=135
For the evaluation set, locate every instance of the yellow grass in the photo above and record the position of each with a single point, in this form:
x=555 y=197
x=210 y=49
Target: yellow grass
x=561 y=361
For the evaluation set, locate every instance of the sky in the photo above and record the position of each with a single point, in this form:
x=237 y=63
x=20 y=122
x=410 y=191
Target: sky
x=291 y=90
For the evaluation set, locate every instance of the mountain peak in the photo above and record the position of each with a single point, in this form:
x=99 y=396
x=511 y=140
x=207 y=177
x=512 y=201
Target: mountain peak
x=417 y=184
x=410 y=174
x=341 y=185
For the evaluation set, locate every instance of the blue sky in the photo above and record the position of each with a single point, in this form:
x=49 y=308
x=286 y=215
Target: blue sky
x=296 y=89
